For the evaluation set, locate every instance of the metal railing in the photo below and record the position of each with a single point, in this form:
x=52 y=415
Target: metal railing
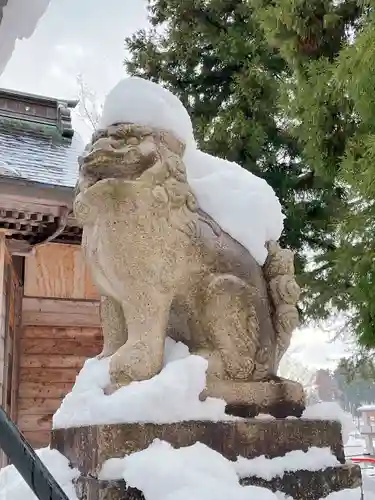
x=27 y=462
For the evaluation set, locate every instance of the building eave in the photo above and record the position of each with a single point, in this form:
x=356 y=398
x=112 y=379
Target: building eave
x=25 y=96
x=16 y=105
x=33 y=213
x=49 y=194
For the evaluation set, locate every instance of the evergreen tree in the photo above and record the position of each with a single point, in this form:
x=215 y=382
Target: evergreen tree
x=329 y=49
x=215 y=57
x=356 y=384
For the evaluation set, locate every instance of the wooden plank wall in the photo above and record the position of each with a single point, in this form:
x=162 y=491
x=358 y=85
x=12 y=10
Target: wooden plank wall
x=58 y=271
x=2 y=316
x=3 y=458
x=10 y=303
x=60 y=330
x=10 y=295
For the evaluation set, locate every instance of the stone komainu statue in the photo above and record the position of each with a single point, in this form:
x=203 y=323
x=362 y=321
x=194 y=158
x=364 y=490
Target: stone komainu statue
x=164 y=267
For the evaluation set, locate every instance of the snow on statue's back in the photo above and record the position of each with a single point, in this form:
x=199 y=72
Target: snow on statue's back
x=244 y=205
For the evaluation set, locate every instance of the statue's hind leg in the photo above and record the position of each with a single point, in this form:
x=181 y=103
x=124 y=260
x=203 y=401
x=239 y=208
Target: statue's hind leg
x=229 y=324
x=232 y=347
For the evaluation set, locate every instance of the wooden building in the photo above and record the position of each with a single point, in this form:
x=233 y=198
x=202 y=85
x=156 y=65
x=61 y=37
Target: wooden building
x=49 y=309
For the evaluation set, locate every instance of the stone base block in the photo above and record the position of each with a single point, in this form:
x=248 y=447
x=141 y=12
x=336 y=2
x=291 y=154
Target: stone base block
x=90 y=488
x=88 y=448
x=300 y=485
x=278 y=397
x=312 y=485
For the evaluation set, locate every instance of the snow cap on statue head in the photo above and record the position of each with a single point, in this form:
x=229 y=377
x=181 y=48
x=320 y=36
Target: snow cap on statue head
x=140 y=101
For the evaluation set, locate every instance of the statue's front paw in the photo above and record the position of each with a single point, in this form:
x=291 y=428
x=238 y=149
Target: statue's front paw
x=134 y=362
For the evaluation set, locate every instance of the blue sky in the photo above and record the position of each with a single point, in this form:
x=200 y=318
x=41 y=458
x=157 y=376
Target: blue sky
x=87 y=37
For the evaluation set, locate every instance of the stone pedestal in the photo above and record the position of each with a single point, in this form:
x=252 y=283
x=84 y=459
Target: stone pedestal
x=276 y=396
x=88 y=448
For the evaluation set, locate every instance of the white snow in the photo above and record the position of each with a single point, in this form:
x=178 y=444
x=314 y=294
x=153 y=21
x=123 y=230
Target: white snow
x=349 y=494
x=355 y=445
x=13 y=487
x=366 y=408
x=165 y=473
x=264 y=416
x=170 y=396
x=267 y=468
x=353 y=494
x=331 y=411
x=368 y=483
x=19 y=21
x=243 y=204
x=136 y=100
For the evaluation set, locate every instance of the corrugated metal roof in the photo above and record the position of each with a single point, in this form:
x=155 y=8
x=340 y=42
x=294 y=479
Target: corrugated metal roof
x=38 y=153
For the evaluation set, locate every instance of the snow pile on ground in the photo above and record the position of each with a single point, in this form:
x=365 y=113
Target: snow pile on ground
x=13 y=487
x=355 y=445
x=368 y=483
x=243 y=204
x=331 y=411
x=162 y=472
x=170 y=396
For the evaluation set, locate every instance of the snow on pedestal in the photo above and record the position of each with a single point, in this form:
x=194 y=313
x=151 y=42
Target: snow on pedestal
x=267 y=468
x=330 y=410
x=170 y=396
x=162 y=472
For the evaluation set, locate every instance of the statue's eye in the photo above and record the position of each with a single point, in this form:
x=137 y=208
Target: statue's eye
x=118 y=136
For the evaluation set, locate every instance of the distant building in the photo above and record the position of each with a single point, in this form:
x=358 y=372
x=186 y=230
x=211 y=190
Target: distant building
x=326 y=386
x=367 y=413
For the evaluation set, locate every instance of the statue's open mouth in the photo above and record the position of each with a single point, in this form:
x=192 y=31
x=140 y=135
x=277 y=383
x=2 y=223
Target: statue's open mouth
x=100 y=164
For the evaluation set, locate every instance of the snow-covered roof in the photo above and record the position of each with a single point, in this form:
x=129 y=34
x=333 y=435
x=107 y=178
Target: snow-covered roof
x=38 y=154
x=37 y=141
